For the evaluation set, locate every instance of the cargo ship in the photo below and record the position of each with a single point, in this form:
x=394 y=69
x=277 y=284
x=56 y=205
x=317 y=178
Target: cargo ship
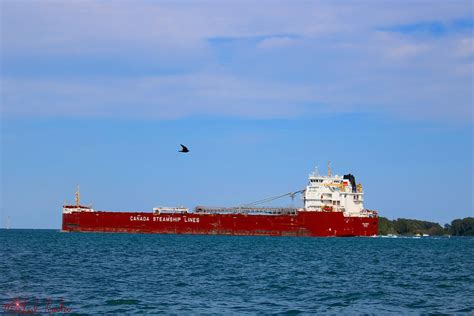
x=332 y=206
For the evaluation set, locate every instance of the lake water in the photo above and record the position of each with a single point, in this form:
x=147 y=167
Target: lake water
x=46 y=270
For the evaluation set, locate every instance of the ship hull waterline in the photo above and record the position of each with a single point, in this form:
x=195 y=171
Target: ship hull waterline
x=304 y=223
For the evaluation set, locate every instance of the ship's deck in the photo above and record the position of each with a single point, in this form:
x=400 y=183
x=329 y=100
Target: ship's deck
x=246 y=210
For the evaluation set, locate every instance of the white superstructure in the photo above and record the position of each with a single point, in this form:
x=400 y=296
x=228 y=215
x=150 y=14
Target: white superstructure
x=68 y=209
x=170 y=210
x=335 y=194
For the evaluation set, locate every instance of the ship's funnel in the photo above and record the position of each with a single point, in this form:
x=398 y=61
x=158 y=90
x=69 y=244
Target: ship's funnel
x=352 y=180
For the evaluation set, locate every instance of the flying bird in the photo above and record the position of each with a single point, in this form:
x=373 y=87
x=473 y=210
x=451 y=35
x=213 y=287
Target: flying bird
x=184 y=149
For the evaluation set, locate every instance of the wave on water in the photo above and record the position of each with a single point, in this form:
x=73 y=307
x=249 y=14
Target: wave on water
x=182 y=274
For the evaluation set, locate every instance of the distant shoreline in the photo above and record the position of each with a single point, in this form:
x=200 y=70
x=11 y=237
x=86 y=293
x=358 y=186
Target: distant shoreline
x=413 y=227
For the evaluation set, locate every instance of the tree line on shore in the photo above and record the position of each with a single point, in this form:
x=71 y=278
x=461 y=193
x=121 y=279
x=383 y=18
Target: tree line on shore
x=404 y=226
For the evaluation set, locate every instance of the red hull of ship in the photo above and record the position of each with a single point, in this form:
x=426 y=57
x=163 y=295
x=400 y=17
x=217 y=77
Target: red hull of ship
x=302 y=224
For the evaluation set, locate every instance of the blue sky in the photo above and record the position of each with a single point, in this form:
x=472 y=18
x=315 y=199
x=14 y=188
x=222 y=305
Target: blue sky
x=101 y=94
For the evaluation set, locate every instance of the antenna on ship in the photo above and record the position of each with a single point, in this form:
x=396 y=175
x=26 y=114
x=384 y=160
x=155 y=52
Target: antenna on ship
x=78 y=196
x=329 y=169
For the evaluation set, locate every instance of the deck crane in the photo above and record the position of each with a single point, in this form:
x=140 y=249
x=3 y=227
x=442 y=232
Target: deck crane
x=269 y=199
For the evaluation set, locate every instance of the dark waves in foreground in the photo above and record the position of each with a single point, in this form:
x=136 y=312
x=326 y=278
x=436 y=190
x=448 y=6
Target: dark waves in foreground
x=181 y=274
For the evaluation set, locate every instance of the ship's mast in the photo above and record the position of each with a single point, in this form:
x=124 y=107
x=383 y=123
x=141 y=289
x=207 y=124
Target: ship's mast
x=78 y=196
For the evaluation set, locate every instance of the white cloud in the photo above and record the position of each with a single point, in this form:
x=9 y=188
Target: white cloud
x=98 y=26
x=178 y=96
x=158 y=97
x=332 y=59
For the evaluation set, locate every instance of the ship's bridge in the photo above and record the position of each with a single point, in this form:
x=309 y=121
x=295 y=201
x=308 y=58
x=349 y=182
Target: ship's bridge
x=333 y=193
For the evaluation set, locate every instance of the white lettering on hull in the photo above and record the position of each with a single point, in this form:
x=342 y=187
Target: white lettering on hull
x=166 y=219
x=191 y=219
x=139 y=218
x=169 y=219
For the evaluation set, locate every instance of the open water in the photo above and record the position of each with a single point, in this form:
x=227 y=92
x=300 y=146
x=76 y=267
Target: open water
x=47 y=271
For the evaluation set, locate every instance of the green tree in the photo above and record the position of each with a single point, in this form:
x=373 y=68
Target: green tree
x=386 y=226
x=404 y=226
x=462 y=227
